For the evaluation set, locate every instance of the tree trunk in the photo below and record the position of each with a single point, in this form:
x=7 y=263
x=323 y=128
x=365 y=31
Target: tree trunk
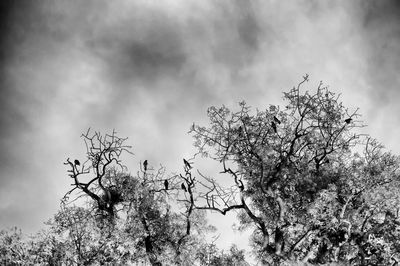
x=279 y=241
x=148 y=242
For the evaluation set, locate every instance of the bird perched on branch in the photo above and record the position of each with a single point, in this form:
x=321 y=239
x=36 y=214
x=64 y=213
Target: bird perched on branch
x=277 y=120
x=76 y=162
x=187 y=164
x=273 y=125
x=183 y=187
x=166 y=184
x=348 y=120
x=145 y=165
x=240 y=131
x=240 y=185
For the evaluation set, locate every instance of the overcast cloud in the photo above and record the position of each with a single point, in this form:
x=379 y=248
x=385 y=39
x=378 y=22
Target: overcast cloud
x=149 y=69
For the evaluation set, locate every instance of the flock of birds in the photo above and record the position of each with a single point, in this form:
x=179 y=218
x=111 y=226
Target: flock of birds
x=188 y=165
x=166 y=182
x=145 y=167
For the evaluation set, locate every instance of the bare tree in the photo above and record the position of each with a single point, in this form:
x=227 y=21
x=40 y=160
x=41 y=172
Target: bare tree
x=141 y=198
x=103 y=157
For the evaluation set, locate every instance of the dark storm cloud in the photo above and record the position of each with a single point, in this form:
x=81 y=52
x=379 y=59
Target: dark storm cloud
x=153 y=45
x=7 y=114
x=12 y=118
x=248 y=29
x=9 y=12
x=380 y=30
x=237 y=33
x=381 y=23
x=28 y=37
x=384 y=11
x=175 y=57
x=131 y=53
x=25 y=96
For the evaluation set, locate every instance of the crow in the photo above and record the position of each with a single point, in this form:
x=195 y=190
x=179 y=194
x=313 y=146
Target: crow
x=240 y=130
x=277 y=120
x=183 y=187
x=187 y=164
x=273 y=125
x=166 y=184
x=240 y=185
x=348 y=120
x=77 y=162
x=145 y=165
x=317 y=163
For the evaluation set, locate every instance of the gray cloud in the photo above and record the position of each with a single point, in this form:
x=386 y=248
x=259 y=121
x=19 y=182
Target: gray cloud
x=382 y=33
x=380 y=28
x=130 y=55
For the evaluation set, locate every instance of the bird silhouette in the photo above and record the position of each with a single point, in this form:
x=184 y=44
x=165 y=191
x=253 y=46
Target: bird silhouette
x=166 y=184
x=277 y=120
x=187 y=164
x=348 y=120
x=76 y=162
x=145 y=165
x=240 y=130
x=273 y=125
x=240 y=185
x=183 y=187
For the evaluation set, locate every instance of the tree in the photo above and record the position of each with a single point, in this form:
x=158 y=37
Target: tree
x=41 y=249
x=210 y=255
x=158 y=220
x=13 y=250
x=48 y=248
x=88 y=240
x=299 y=181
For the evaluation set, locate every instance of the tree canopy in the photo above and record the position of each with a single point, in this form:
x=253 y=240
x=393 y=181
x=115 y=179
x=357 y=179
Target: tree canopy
x=312 y=188
x=307 y=183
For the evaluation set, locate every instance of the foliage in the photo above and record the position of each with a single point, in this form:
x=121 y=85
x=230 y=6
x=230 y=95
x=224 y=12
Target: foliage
x=13 y=251
x=210 y=255
x=300 y=183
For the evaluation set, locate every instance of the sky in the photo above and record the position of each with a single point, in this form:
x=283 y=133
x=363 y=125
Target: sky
x=149 y=69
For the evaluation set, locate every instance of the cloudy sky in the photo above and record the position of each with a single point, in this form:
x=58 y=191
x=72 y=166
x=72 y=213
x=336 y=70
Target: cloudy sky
x=149 y=69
